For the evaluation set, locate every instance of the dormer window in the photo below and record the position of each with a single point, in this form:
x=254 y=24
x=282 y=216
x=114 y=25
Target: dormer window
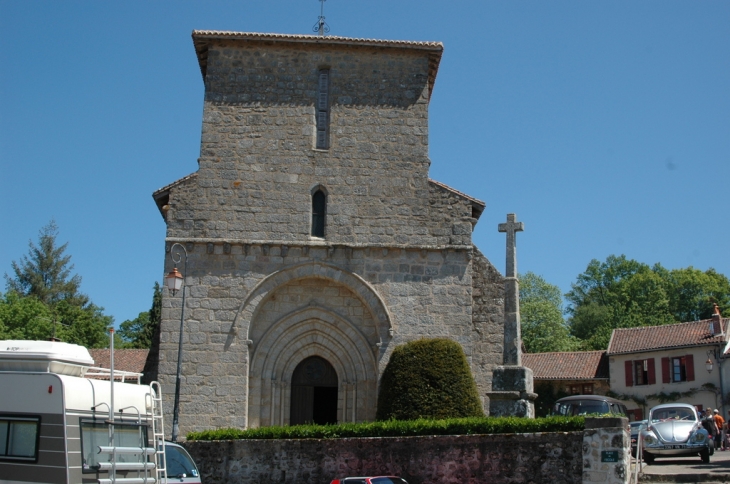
x=323 y=110
x=319 y=209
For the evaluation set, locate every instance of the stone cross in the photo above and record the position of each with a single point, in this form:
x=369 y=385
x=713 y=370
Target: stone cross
x=512 y=337
x=511 y=227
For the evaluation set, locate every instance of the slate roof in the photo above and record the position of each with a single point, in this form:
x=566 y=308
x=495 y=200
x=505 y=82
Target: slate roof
x=124 y=359
x=680 y=335
x=568 y=365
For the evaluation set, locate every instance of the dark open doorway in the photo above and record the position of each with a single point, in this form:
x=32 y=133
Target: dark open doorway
x=313 y=392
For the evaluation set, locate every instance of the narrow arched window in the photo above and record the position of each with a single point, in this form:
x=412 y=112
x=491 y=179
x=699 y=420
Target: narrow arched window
x=323 y=110
x=319 y=208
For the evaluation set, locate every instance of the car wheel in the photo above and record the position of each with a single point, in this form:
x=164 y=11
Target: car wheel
x=649 y=458
x=705 y=456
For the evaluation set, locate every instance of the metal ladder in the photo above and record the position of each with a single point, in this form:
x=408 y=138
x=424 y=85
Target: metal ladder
x=158 y=431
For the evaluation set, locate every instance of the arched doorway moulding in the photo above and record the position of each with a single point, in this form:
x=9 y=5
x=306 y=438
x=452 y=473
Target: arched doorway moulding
x=359 y=286
x=310 y=331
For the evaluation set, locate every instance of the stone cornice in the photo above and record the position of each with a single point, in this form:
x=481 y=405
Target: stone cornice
x=315 y=244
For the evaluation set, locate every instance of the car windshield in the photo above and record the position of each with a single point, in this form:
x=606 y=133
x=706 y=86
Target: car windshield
x=581 y=407
x=388 y=480
x=179 y=463
x=672 y=413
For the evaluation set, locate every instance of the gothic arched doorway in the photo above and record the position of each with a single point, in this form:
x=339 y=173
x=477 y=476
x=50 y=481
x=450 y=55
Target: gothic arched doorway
x=313 y=392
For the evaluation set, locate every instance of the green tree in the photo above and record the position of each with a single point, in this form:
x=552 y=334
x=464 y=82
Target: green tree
x=541 y=314
x=45 y=273
x=624 y=293
x=24 y=318
x=139 y=332
x=428 y=378
x=43 y=299
x=693 y=293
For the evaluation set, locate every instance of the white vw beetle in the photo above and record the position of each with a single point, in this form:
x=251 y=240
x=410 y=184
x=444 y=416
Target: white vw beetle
x=674 y=430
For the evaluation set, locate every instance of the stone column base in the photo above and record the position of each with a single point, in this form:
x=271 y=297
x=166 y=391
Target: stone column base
x=511 y=404
x=512 y=394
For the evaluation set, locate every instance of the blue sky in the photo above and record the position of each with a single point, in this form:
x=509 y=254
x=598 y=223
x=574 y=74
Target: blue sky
x=604 y=125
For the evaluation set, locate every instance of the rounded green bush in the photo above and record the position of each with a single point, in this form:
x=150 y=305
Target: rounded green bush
x=428 y=378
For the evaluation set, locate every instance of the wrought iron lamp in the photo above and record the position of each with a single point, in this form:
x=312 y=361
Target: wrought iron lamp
x=174 y=281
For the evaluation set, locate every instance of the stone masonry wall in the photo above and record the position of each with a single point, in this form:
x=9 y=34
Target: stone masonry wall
x=258 y=166
x=396 y=262
x=428 y=293
x=487 y=321
x=549 y=458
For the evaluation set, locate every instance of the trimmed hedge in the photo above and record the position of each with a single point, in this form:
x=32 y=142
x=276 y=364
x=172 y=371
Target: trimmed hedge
x=401 y=428
x=428 y=378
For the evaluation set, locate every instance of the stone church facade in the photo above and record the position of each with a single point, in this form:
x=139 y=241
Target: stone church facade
x=316 y=241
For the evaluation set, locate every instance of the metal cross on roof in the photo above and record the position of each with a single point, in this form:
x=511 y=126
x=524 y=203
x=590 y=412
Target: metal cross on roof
x=321 y=26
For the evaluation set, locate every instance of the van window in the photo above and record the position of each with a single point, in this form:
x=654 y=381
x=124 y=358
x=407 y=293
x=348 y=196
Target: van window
x=95 y=434
x=19 y=438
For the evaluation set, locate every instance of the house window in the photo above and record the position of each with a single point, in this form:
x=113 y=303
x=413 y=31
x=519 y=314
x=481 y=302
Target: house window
x=679 y=369
x=575 y=389
x=323 y=109
x=588 y=389
x=319 y=209
x=641 y=372
x=19 y=438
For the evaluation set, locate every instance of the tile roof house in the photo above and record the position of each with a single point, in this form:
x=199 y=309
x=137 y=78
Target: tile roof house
x=560 y=374
x=132 y=360
x=652 y=362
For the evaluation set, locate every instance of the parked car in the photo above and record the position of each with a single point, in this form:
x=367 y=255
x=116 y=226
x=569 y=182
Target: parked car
x=674 y=430
x=370 y=480
x=588 y=404
x=635 y=429
x=180 y=466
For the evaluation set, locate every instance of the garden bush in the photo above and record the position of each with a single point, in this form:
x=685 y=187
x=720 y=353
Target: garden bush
x=400 y=428
x=428 y=378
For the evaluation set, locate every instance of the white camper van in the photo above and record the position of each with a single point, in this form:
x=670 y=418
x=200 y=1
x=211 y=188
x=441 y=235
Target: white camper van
x=61 y=422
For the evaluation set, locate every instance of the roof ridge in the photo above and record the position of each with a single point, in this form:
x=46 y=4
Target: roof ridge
x=564 y=352
x=665 y=325
x=318 y=38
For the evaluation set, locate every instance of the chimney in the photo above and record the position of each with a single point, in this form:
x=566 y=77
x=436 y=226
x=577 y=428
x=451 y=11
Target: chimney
x=715 y=326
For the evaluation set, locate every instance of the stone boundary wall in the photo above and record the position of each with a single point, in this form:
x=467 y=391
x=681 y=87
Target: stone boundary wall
x=549 y=458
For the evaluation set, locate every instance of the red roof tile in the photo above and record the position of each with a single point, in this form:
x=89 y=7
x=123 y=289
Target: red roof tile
x=124 y=359
x=650 y=338
x=567 y=365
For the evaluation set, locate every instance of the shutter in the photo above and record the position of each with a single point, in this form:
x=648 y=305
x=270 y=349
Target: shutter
x=629 y=367
x=651 y=371
x=666 y=375
x=690 y=367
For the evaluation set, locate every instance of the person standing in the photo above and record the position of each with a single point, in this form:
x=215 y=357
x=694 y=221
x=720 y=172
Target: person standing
x=720 y=423
x=708 y=422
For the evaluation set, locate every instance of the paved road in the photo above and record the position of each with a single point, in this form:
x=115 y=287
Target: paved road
x=688 y=469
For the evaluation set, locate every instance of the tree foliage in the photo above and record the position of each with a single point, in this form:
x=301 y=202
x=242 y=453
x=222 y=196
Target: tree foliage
x=428 y=378
x=624 y=293
x=139 y=332
x=44 y=300
x=541 y=313
x=45 y=273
